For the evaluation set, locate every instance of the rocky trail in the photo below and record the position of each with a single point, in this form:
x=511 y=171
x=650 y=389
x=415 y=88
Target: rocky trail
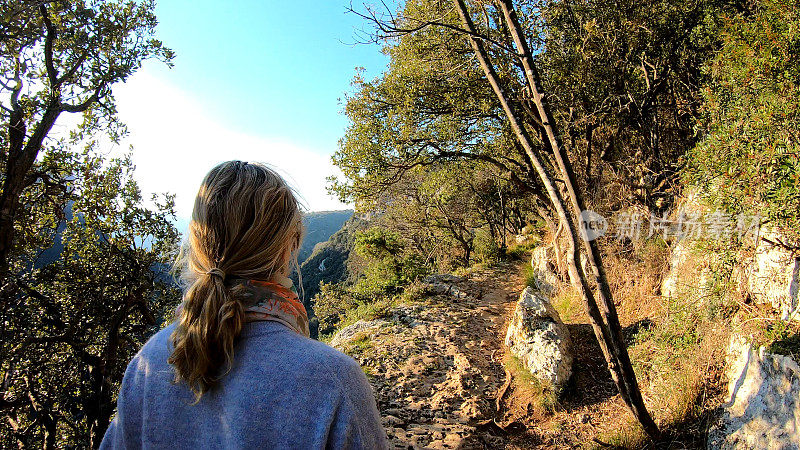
x=437 y=370
x=436 y=366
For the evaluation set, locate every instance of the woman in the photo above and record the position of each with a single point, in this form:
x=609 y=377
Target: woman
x=237 y=369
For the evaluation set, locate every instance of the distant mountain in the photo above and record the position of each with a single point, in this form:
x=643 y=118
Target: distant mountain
x=320 y=226
x=328 y=262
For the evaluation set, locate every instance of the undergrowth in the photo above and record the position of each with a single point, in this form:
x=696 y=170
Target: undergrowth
x=677 y=345
x=541 y=396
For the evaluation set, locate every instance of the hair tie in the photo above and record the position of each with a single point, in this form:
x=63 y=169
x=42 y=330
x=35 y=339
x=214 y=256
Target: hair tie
x=216 y=272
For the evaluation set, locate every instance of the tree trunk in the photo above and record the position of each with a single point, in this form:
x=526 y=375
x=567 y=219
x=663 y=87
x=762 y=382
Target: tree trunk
x=589 y=142
x=625 y=376
x=21 y=157
x=608 y=331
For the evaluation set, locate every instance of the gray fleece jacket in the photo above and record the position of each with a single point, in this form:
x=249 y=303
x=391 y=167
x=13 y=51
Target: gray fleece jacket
x=284 y=391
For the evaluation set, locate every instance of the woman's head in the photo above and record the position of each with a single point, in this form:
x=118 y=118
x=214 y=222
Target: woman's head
x=246 y=223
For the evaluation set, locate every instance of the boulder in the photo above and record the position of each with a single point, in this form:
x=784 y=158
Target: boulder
x=773 y=276
x=689 y=272
x=538 y=337
x=444 y=284
x=444 y=278
x=545 y=277
x=349 y=332
x=763 y=407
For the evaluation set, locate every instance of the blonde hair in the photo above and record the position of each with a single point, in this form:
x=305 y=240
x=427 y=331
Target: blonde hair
x=246 y=223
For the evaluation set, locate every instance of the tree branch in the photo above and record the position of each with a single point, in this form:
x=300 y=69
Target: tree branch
x=50 y=37
x=391 y=28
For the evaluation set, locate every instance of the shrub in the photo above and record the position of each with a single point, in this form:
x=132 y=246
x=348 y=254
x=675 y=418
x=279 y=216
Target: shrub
x=748 y=161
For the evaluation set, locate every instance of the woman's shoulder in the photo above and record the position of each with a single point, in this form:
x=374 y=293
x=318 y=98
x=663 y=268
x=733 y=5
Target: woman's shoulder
x=153 y=355
x=305 y=355
x=159 y=343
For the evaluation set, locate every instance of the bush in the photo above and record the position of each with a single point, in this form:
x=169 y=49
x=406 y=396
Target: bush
x=748 y=160
x=389 y=266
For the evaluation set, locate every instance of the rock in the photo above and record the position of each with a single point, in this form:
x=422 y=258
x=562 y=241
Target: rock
x=773 y=276
x=544 y=273
x=393 y=412
x=689 y=272
x=444 y=284
x=444 y=278
x=349 y=332
x=769 y=273
x=406 y=315
x=538 y=337
x=763 y=408
x=393 y=421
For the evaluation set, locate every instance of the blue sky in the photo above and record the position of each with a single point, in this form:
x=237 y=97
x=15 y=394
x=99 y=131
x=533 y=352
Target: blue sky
x=253 y=80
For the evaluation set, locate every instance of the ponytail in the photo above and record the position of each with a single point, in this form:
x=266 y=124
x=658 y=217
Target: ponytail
x=247 y=220
x=208 y=324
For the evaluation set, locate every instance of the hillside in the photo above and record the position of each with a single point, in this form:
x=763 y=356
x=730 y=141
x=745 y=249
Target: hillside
x=320 y=226
x=328 y=261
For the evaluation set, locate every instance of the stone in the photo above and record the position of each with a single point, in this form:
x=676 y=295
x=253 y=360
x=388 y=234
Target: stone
x=444 y=284
x=763 y=407
x=545 y=277
x=769 y=275
x=393 y=421
x=538 y=337
x=445 y=278
x=349 y=332
x=773 y=275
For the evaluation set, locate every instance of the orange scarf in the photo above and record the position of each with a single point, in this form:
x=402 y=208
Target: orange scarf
x=267 y=300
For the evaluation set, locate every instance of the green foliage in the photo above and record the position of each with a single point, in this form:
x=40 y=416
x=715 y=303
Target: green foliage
x=336 y=307
x=87 y=310
x=487 y=249
x=748 y=160
x=541 y=395
x=568 y=303
x=389 y=268
x=83 y=260
x=785 y=339
x=428 y=147
x=623 y=81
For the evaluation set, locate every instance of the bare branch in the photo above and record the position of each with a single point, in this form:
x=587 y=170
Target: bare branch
x=84 y=105
x=391 y=28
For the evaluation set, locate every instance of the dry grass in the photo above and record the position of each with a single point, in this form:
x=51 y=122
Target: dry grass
x=569 y=305
x=635 y=272
x=676 y=348
x=539 y=398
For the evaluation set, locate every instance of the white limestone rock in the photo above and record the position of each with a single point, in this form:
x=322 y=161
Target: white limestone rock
x=763 y=408
x=538 y=337
x=349 y=332
x=444 y=284
x=545 y=277
x=773 y=276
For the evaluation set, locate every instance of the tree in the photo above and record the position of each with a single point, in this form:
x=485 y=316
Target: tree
x=62 y=56
x=82 y=261
x=409 y=132
x=439 y=207
x=748 y=159
x=74 y=318
x=624 y=82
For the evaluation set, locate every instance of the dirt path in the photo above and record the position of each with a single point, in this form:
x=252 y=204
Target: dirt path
x=436 y=366
x=437 y=369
